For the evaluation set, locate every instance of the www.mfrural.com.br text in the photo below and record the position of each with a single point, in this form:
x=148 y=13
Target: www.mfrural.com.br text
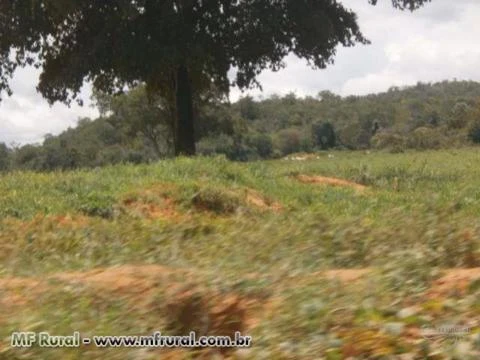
x=156 y=340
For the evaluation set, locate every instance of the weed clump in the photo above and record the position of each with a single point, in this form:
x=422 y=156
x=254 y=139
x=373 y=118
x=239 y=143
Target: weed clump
x=97 y=205
x=219 y=201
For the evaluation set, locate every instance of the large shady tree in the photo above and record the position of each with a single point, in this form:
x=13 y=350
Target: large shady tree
x=177 y=48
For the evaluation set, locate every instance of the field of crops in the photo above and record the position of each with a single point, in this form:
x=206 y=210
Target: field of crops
x=333 y=255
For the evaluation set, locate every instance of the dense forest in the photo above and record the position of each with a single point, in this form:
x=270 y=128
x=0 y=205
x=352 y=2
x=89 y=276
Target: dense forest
x=135 y=128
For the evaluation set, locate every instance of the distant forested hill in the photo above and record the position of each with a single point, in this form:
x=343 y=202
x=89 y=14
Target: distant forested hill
x=135 y=129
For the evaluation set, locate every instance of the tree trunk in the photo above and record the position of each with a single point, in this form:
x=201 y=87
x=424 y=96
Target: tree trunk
x=184 y=127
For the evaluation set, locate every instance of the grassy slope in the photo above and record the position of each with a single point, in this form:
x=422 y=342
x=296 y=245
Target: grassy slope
x=419 y=215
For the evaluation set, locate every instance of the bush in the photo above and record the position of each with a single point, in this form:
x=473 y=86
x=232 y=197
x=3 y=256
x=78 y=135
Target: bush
x=390 y=141
x=306 y=144
x=216 y=200
x=262 y=144
x=474 y=132
x=220 y=144
x=4 y=157
x=425 y=138
x=288 y=141
x=324 y=135
x=111 y=155
x=459 y=116
x=136 y=157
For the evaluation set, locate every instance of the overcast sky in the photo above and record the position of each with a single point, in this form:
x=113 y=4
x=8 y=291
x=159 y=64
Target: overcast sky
x=435 y=43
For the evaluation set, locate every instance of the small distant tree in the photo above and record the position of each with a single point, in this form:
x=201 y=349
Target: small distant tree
x=262 y=143
x=214 y=145
x=28 y=157
x=289 y=141
x=388 y=140
x=328 y=97
x=425 y=138
x=474 y=132
x=433 y=119
x=4 y=157
x=306 y=144
x=459 y=116
x=324 y=135
x=248 y=108
x=137 y=113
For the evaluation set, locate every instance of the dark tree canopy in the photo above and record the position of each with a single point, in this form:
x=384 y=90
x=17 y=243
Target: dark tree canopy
x=175 y=47
x=324 y=135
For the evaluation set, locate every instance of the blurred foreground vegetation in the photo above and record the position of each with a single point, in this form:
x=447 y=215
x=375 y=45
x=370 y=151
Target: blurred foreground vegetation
x=246 y=246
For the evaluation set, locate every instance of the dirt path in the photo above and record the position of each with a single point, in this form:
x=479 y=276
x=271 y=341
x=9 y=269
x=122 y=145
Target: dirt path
x=323 y=180
x=185 y=293
x=138 y=279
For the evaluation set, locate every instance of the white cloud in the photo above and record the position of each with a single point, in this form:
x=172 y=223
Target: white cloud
x=26 y=117
x=427 y=50
x=432 y=44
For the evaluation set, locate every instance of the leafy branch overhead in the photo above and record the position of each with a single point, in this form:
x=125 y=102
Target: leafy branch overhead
x=405 y=4
x=119 y=42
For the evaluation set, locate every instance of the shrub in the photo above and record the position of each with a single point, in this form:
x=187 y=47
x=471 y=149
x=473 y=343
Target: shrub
x=474 y=132
x=4 y=157
x=95 y=204
x=111 y=155
x=323 y=135
x=390 y=141
x=425 y=138
x=288 y=141
x=262 y=144
x=459 y=116
x=216 y=200
x=215 y=145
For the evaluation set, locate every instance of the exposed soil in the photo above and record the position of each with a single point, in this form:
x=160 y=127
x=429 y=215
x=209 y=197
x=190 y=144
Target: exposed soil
x=137 y=280
x=227 y=202
x=166 y=210
x=185 y=305
x=152 y=203
x=323 y=180
x=189 y=306
x=65 y=221
x=156 y=203
x=346 y=275
x=454 y=282
x=258 y=200
x=71 y=221
x=139 y=283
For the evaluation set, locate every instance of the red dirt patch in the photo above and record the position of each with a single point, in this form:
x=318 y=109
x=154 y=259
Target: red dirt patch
x=307 y=179
x=229 y=201
x=258 y=200
x=366 y=342
x=346 y=275
x=14 y=290
x=152 y=203
x=152 y=211
x=187 y=306
x=454 y=282
x=44 y=221
x=187 y=310
x=122 y=278
x=71 y=221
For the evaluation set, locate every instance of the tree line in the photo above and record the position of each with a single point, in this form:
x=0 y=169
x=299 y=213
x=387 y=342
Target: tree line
x=137 y=128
